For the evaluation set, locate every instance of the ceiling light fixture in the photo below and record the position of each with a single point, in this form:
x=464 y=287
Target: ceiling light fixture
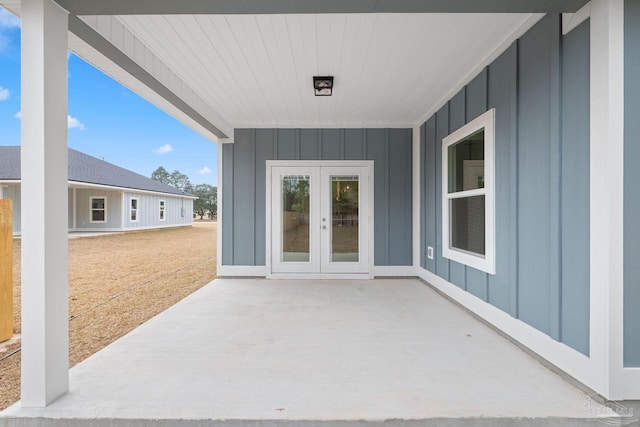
x=323 y=86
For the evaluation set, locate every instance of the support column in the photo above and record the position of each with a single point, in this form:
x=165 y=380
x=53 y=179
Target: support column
x=45 y=312
x=417 y=232
x=607 y=192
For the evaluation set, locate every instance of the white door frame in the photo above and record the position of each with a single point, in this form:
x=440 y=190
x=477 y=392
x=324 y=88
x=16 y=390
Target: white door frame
x=364 y=222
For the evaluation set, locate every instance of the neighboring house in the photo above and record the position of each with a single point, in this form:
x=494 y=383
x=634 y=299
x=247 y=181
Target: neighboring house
x=103 y=196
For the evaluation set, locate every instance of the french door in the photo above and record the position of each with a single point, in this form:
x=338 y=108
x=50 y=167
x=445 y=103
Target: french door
x=320 y=218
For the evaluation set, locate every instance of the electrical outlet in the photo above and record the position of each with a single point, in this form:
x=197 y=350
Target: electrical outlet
x=430 y=252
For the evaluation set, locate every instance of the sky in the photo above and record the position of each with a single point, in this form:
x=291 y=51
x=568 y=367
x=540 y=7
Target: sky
x=107 y=120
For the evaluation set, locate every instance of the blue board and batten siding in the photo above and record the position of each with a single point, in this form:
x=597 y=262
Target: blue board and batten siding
x=243 y=184
x=631 y=180
x=540 y=90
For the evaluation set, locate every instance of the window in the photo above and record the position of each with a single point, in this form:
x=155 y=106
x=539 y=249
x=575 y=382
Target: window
x=468 y=224
x=162 y=206
x=133 y=210
x=98 y=209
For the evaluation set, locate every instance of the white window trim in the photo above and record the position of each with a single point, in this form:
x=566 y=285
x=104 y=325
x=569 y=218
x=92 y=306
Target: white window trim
x=162 y=206
x=91 y=199
x=131 y=210
x=488 y=262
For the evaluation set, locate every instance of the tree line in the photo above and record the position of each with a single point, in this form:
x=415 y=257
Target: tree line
x=207 y=201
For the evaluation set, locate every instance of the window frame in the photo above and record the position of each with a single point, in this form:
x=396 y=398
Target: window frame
x=91 y=209
x=486 y=263
x=162 y=212
x=132 y=210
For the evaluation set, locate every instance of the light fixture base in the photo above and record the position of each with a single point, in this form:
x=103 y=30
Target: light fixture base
x=323 y=85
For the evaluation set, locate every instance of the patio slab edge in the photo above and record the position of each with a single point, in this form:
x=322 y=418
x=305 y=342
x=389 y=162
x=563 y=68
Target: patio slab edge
x=444 y=422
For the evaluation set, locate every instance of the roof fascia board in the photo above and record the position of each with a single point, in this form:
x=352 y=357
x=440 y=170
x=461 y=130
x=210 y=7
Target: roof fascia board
x=86 y=33
x=79 y=184
x=235 y=7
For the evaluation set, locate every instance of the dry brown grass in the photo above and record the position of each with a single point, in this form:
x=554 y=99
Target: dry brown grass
x=116 y=283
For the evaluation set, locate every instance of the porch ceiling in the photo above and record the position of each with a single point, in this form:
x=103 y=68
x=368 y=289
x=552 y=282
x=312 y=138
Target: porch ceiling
x=390 y=69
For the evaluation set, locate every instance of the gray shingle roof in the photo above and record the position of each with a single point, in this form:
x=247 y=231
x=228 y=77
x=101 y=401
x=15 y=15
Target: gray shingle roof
x=90 y=170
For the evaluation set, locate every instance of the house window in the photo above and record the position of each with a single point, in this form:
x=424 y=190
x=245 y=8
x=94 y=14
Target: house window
x=162 y=208
x=133 y=210
x=98 y=209
x=468 y=224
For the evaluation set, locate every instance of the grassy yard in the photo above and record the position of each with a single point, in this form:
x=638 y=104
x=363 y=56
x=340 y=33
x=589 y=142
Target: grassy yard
x=116 y=283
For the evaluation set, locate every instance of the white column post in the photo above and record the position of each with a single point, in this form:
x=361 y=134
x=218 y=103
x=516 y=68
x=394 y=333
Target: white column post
x=417 y=190
x=75 y=215
x=219 y=214
x=45 y=313
x=607 y=192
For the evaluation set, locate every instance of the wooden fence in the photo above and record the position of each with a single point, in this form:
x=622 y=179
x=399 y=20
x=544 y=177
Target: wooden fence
x=6 y=270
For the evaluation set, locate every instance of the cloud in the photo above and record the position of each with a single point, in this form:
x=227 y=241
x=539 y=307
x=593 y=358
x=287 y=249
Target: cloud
x=166 y=148
x=205 y=171
x=8 y=20
x=73 y=123
x=4 y=94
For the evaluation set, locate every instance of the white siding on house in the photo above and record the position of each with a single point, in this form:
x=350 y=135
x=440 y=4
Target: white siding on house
x=70 y=210
x=83 y=209
x=12 y=192
x=178 y=211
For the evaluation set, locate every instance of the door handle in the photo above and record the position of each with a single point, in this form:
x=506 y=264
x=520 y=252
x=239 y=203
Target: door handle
x=324 y=227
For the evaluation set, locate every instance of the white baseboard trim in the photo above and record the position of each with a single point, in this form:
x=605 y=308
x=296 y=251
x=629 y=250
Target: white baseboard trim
x=630 y=383
x=572 y=362
x=320 y=276
x=242 y=271
x=261 y=271
x=394 y=271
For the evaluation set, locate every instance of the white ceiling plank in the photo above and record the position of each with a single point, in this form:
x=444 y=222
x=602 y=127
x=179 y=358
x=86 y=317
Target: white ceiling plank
x=231 y=32
x=274 y=32
x=278 y=33
x=268 y=61
x=225 y=66
x=209 y=77
x=338 y=46
x=307 y=24
x=296 y=45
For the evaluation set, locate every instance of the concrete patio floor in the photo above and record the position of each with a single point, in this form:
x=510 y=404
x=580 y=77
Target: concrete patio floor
x=267 y=352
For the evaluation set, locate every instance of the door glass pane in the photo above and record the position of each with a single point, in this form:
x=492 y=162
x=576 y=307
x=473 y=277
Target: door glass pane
x=295 y=218
x=344 y=217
